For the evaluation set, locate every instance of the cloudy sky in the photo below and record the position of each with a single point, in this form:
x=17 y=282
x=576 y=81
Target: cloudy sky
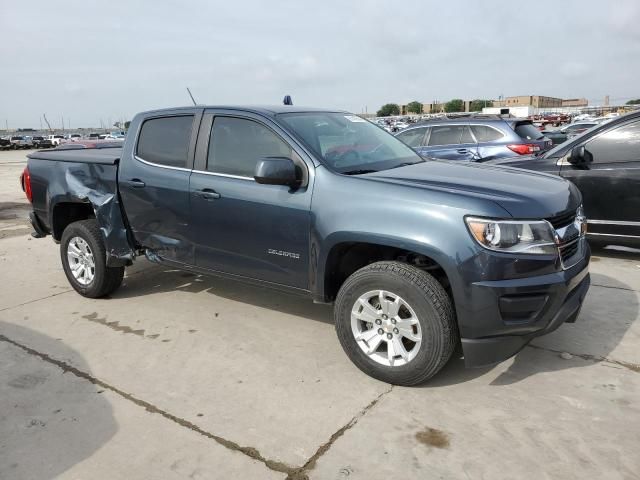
x=99 y=61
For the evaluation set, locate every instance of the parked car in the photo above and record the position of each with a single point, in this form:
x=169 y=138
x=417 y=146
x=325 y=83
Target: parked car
x=555 y=119
x=5 y=143
x=40 y=141
x=21 y=141
x=56 y=139
x=568 y=131
x=475 y=138
x=417 y=255
x=604 y=163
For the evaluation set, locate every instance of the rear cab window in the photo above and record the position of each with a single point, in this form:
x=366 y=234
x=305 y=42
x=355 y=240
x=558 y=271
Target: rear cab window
x=165 y=140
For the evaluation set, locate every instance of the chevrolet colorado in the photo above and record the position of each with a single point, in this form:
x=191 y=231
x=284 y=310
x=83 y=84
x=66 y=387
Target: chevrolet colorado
x=416 y=255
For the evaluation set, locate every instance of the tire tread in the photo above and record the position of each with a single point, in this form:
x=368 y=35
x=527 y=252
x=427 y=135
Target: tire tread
x=435 y=294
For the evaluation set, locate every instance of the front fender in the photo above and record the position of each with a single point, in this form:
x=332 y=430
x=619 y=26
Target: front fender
x=320 y=252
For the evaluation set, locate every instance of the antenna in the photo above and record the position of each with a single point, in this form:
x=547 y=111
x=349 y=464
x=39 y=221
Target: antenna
x=287 y=100
x=47 y=122
x=192 y=99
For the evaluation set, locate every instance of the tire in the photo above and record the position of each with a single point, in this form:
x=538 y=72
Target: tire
x=104 y=280
x=425 y=300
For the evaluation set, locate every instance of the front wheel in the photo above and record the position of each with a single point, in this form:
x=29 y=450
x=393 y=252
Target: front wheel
x=83 y=256
x=395 y=322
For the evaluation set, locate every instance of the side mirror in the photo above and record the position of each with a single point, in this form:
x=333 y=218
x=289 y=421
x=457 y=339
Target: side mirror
x=579 y=157
x=277 y=171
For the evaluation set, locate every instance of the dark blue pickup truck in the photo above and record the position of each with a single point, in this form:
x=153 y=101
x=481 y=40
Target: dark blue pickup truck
x=417 y=255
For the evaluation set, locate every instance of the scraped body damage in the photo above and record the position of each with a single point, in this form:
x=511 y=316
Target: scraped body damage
x=94 y=184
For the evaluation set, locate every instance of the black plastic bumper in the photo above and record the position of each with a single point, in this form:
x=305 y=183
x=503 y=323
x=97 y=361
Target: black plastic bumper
x=494 y=349
x=38 y=229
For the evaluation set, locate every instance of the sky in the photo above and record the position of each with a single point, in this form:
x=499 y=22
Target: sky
x=97 y=62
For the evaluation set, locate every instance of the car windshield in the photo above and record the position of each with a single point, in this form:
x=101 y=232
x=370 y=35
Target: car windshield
x=349 y=144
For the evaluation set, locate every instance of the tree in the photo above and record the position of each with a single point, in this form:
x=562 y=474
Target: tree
x=126 y=125
x=389 y=109
x=634 y=102
x=414 y=107
x=477 y=105
x=455 y=105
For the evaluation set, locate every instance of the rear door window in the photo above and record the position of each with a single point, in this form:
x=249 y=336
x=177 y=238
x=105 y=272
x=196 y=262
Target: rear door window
x=413 y=137
x=483 y=133
x=446 y=135
x=466 y=136
x=165 y=140
x=527 y=131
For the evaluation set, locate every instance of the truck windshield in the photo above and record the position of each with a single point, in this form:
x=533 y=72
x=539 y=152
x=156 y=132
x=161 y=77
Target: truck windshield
x=349 y=144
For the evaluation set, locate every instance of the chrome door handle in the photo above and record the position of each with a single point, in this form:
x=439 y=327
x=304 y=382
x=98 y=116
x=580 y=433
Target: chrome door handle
x=207 y=194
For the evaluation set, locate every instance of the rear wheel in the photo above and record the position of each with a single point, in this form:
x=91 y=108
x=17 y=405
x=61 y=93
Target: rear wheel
x=83 y=256
x=395 y=322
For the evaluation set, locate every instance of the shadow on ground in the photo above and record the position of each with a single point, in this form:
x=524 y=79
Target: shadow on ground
x=167 y=280
x=599 y=329
x=606 y=316
x=49 y=420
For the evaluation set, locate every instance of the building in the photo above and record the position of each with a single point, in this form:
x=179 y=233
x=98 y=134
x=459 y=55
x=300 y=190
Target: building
x=575 y=102
x=537 y=101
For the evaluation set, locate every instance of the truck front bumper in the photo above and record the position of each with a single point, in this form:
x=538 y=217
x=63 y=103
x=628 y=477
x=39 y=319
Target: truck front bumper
x=516 y=311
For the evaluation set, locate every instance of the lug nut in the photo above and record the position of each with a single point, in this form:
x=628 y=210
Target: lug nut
x=380 y=331
x=389 y=336
x=384 y=316
x=395 y=330
x=393 y=320
x=378 y=321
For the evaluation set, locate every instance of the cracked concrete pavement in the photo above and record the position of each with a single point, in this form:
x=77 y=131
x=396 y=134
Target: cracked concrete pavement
x=183 y=376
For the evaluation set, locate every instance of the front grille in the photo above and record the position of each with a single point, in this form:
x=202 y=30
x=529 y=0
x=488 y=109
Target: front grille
x=562 y=220
x=568 y=251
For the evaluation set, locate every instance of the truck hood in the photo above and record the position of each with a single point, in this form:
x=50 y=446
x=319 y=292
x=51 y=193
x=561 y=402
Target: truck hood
x=522 y=193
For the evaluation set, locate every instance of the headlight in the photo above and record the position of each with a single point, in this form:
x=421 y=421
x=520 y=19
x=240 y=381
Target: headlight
x=512 y=236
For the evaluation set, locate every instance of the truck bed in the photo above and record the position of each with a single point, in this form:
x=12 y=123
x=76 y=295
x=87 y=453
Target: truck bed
x=100 y=156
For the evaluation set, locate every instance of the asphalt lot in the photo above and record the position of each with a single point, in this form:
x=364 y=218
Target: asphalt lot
x=182 y=376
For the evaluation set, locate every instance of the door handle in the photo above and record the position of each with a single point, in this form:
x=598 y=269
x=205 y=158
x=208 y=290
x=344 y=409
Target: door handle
x=207 y=194
x=135 y=183
x=461 y=150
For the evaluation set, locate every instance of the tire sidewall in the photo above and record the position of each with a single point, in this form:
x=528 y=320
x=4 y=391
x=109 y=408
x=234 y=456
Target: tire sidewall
x=430 y=324
x=78 y=229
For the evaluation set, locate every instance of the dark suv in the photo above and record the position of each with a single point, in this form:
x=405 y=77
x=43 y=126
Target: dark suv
x=475 y=138
x=604 y=163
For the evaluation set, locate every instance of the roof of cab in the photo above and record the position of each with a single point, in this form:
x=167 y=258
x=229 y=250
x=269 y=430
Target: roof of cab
x=260 y=109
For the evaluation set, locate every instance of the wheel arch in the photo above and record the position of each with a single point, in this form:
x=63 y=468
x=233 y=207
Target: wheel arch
x=348 y=252
x=65 y=213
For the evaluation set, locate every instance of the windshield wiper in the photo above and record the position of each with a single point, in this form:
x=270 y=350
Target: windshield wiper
x=359 y=172
x=404 y=164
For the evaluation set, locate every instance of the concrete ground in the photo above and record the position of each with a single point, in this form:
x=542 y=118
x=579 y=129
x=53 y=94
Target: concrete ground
x=182 y=376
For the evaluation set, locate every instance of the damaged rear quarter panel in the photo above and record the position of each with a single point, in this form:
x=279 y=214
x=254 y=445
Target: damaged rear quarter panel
x=95 y=184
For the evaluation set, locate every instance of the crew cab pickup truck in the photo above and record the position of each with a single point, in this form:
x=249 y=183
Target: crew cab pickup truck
x=416 y=255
